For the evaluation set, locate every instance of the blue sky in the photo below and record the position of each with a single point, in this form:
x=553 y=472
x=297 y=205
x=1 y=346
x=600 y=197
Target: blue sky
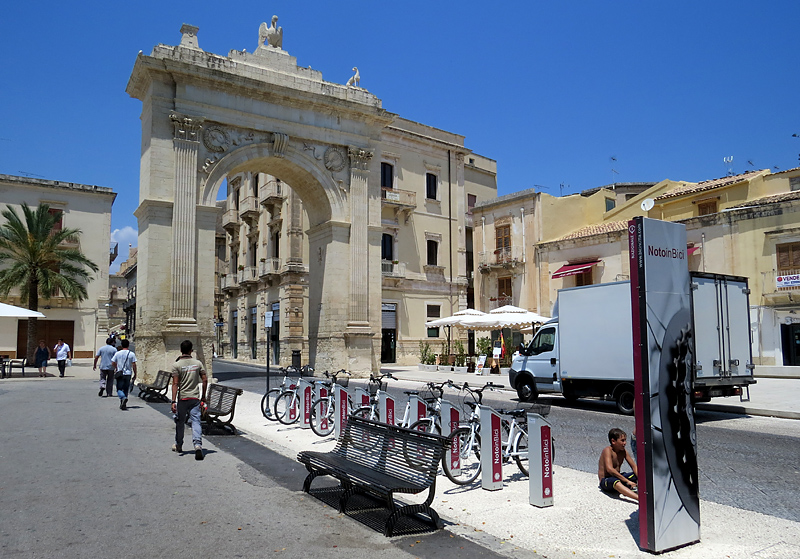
x=551 y=90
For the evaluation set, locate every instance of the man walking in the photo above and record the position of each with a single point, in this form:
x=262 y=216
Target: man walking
x=105 y=354
x=187 y=374
x=62 y=352
x=125 y=363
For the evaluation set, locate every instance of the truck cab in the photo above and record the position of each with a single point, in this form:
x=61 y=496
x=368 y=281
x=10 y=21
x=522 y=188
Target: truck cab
x=536 y=369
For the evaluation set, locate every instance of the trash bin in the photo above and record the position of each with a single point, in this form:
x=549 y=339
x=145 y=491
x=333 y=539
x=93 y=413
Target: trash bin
x=296 y=359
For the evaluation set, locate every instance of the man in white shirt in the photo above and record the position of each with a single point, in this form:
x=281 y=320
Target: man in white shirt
x=124 y=372
x=105 y=354
x=62 y=354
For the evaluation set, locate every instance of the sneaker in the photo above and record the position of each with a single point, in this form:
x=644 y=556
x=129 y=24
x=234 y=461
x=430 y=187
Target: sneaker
x=198 y=453
x=101 y=392
x=177 y=448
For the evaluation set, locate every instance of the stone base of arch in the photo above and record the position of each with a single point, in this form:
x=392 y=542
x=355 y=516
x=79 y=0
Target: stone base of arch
x=158 y=351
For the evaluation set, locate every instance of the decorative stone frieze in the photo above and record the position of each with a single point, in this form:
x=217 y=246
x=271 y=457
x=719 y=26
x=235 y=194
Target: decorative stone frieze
x=335 y=159
x=216 y=138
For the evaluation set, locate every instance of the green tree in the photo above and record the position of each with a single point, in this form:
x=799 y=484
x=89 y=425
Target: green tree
x=39 y=259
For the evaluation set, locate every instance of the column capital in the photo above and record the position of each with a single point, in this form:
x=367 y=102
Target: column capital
x=186 y=127
x=360 y=158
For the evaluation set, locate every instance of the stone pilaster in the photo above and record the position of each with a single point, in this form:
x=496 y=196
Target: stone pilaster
x=186 y=144
x=359 y=249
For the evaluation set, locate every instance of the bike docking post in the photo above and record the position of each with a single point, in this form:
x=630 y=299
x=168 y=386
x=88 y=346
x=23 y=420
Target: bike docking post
x=360 y=397
x=451 y=418
x=340 y=417
x=304 y=395
x=386 y=408
x=321 y=392
x=492 y=441
x=417 y=409
x=540 y=461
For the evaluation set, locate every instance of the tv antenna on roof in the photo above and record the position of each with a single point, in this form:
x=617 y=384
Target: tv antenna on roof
x=30 y=174
x=729 y=164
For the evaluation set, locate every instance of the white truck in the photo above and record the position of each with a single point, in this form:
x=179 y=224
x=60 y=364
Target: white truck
x=586 y=350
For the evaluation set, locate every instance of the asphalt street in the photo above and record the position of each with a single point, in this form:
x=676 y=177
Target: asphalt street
x=81 y=478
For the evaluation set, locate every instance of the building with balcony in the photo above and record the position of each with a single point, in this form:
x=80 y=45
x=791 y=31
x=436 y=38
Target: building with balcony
x=81 y=206
x=746 y=225
x=428 y=183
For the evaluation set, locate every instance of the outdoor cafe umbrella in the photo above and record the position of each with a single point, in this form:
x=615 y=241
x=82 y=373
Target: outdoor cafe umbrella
x=10 y=311
x=454 y=320
x=507 y=316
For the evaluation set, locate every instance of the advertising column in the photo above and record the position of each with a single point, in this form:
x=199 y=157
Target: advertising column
x=669 y=506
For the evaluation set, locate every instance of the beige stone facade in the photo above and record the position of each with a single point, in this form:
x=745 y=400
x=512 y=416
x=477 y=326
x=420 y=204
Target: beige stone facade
x=82 y=324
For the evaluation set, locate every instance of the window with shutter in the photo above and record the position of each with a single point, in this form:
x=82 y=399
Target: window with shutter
x=788 y=257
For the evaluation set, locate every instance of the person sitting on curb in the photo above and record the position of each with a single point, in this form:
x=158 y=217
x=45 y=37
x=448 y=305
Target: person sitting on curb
x=611 y=460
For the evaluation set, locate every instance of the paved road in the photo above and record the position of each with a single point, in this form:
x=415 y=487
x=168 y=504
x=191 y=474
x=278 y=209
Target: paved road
x=751 y=463
x=81 y=478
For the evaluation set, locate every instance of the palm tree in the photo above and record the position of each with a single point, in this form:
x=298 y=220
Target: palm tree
x=34 y=259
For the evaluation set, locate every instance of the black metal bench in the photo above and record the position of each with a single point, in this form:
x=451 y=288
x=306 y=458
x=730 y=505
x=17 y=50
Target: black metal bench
x=221 y=401
x=156 y=389
x=380 y=460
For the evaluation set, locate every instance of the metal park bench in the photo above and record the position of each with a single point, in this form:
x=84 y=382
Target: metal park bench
x=221 y=401
x=380 y=460
x=156 y=389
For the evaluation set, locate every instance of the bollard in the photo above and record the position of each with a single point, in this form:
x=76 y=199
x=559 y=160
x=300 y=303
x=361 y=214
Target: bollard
x=540 y=461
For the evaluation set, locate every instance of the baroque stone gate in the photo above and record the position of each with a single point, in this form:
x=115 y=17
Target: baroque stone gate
x=206 y=116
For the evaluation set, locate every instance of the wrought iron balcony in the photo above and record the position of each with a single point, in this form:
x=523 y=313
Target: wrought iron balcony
x=497 y=302
x=501 y=258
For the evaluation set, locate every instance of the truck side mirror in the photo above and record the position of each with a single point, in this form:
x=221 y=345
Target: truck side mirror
x=522 y=350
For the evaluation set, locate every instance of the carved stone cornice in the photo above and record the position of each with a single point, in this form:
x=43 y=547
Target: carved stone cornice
x=186 y=127
x=360 y=158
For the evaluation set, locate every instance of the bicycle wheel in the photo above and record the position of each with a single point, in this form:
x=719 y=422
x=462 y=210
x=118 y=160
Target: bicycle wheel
x=519 y=449
x=469 y=457
x=286 y=408
x=367 y=412
x=322 y=416
x=426 y=425
x=413 y=453
x=268 y=403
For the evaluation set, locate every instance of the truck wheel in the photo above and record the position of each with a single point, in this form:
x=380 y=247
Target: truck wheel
x=526 y=390
x=625 y=399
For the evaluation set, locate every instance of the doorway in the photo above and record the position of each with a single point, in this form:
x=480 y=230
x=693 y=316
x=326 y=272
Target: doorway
x=790 y=342
x=388 y=332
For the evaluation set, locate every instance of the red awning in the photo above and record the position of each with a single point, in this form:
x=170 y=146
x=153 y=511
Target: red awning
x=691 y=250
x=573 y=269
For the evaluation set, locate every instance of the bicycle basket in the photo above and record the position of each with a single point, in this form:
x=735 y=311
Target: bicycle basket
x=375 y=385
x=343 y=382
x=541 y=409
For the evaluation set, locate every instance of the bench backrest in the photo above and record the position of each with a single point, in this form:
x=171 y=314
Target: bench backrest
x=402 y=453
x=221 y=398
x=162 y=380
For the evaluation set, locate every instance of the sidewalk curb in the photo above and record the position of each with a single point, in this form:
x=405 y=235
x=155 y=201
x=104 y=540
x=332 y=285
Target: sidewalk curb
x=744 y=410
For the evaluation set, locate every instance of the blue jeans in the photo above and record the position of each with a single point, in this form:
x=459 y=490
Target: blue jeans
x=123 y=386
x=190 y=407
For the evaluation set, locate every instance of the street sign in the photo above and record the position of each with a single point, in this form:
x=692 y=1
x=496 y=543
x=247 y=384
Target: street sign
x=268 y=319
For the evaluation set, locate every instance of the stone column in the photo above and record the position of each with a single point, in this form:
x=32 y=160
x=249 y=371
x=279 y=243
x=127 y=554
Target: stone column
x=359 y=249
x=186 y=143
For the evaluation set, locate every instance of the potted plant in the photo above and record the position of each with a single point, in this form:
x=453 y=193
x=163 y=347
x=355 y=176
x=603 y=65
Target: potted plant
x=461 y=357
x=427 y=359
x=241 y=267
x=444 y=358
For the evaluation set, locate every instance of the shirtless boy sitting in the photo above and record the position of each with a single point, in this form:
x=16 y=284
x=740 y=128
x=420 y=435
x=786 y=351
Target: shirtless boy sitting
x=611 y=460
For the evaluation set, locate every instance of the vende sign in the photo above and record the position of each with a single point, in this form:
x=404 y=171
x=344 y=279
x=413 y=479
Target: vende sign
x=792 y=280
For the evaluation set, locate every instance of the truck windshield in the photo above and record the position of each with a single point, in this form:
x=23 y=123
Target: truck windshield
x=545 y=340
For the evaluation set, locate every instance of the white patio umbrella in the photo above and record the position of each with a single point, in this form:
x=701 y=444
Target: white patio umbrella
x=10 y=311
x=507 y=316
x=455 y=319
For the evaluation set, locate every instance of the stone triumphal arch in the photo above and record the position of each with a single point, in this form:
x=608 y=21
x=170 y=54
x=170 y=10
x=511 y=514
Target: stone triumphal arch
x=205 y=117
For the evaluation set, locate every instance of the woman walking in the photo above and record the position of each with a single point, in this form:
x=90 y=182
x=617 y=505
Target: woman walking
x=41 y=357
